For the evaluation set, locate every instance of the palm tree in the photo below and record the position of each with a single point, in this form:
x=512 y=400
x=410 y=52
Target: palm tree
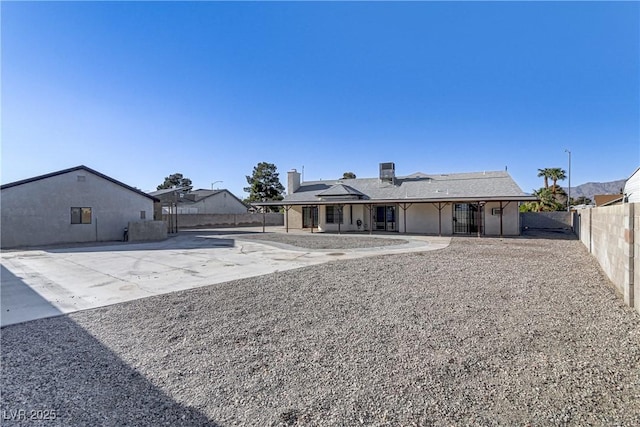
x=546 y=174
x=546 y=201
x=556 y=174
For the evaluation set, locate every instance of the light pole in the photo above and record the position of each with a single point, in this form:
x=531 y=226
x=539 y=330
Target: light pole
x=214 y=182
x=569 y=193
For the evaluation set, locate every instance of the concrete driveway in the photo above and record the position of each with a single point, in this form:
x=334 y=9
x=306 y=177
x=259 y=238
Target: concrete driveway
x=46 y=282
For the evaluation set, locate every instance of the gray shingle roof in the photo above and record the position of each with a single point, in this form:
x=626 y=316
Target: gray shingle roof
x=418 y=186
x=340 y=190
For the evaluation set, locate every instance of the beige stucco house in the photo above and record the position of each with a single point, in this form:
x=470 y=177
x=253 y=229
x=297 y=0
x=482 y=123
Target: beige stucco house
x=72 y=205
x=202 y=201
x=480 y=203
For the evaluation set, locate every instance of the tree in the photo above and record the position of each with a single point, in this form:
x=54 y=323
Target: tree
x=177 y=180
x=546 y=174
x=348 y=175
x=556 y=174
x=547 y=202
x=582 y=200
x=264 y=184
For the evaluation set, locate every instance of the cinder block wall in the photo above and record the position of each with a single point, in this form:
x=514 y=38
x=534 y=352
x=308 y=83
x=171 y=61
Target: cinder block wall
x=140 y=231
x=611 y=235
x=636 y=256
x=229 y=220
x=546 y=220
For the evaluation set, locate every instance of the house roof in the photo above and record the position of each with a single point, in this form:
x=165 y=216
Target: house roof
x=417 y=187
x=341 y=190
x=164 y=191
x=194 y=196
x=607 y=199
x=77 y=168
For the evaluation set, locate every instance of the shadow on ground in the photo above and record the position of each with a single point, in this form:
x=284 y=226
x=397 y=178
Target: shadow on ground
x=549 y=233
x=56 y=367
x=23 y=300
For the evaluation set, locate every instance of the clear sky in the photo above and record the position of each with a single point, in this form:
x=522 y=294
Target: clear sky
x=141 y=90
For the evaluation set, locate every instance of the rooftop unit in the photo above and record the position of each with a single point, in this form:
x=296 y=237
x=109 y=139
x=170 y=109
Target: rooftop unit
x=388 y=172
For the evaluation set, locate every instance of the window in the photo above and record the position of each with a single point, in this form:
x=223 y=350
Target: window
x=143 y=214
x=80 y=215
x=334 y=215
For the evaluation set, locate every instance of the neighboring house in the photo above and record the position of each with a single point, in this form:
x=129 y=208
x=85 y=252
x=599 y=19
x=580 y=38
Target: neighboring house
x=632 y=188
x=202 y=201
x=607 y=199
x=484 y=203
x=72 y=205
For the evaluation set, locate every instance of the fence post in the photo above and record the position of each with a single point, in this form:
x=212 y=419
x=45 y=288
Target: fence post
x=628 y=285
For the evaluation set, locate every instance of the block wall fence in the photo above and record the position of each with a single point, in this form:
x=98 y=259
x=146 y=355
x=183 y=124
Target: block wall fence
x=611 y=234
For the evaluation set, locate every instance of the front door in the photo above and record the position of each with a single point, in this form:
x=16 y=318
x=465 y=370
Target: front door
x=385 y=218
x=465 y=218
x=309 y=216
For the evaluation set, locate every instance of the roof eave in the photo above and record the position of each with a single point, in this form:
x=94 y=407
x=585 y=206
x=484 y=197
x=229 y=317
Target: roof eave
x=476 y=199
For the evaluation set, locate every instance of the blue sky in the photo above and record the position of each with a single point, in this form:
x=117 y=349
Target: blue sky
x=141 y=90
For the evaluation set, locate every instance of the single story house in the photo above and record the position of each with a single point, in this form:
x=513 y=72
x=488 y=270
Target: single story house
x=607 y=199
x=201 y=201
x=632 y=188
x=480 y=203
x=69 y=206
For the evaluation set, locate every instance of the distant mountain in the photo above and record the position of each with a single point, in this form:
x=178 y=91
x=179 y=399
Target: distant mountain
x=590 y=189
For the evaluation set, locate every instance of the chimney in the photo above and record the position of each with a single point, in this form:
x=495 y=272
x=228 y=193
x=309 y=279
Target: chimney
x=293 y=181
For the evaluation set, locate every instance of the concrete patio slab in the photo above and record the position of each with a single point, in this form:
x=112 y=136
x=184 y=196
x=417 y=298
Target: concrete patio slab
x=45 y=282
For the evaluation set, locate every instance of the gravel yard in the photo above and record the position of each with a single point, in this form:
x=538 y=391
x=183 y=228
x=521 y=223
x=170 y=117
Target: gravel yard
x=483 y=332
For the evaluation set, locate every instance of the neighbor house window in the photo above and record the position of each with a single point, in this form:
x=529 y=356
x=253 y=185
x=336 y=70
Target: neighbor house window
x=334 y=215
x=80 y=215
x=143 y=214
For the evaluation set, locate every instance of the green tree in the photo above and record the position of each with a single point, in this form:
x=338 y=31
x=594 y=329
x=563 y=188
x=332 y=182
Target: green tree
x=556 y=174
x=348 y=175
x=546 y=174
x=176 y=180
x=264 y=184
x=547 y=202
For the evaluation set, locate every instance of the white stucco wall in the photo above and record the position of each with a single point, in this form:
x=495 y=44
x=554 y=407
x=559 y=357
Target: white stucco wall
x=421 y=218
x=510 y=219
x=39 y=212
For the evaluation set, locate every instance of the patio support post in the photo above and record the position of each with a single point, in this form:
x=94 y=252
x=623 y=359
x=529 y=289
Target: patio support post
x=404 y=207
x=340 y=207
x=440 y=207
x=479 y=218
x=312 y=212
x=286 y=214
x=264 y=219
x=501 y=219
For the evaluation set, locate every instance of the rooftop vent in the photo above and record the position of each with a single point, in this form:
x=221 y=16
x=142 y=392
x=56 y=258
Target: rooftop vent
x=388 y=172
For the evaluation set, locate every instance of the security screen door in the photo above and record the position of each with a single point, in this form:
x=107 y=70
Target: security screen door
x=385 y=218
x=307 y=218
x=465 y=218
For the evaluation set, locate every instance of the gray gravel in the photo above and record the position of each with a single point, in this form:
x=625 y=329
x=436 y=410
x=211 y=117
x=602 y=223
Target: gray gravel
x=484 y=332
